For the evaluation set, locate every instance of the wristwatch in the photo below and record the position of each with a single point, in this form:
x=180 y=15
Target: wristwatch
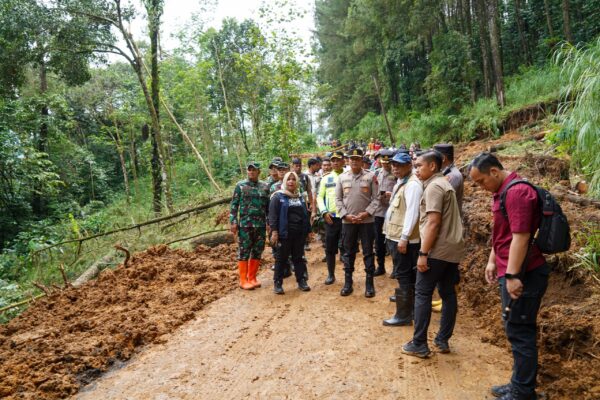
x=511 y=276
x=423 y=254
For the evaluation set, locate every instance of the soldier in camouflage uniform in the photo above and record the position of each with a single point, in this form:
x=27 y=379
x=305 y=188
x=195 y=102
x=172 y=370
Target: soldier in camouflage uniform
x=273 y=173
x=251 y=203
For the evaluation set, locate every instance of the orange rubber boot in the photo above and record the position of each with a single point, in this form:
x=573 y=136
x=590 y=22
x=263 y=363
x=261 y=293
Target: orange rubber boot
x=253 y=265
x=243 y=269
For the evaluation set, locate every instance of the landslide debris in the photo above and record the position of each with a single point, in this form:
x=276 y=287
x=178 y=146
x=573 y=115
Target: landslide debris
x=69 y=338
x=569 y=320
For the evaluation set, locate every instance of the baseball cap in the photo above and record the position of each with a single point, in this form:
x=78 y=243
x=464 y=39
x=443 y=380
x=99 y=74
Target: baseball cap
x=402 y=158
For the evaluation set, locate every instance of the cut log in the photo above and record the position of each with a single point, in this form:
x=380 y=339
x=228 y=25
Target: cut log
x=94 y=269
x=214 y=239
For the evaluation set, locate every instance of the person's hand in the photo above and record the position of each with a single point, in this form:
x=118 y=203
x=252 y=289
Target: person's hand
x=514 y=287
x=313 y=218
x=328 y=219
x=403 y=246
x=274 y=238
x=234 y=229
x=490 y=273
x=350 y=218
x=422 y=264
x=361 y=217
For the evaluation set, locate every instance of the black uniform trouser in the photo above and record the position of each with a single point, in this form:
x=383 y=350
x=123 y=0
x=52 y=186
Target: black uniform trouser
x=292 y=246
x=521 y=328
x=333 y=233
x=445 y=275
x=351 y=234
x=405 y=265
x=380 y=242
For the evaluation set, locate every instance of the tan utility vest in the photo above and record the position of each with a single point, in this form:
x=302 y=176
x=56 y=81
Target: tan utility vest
x=393 y=225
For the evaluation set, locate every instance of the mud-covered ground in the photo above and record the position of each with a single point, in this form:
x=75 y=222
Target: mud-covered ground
x=70 y=338
x=301 y=345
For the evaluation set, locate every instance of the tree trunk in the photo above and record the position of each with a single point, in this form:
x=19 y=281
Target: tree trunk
x=38 y=203
x=117 y=140
x=566 y=21
x=521 y=30
x=495 y=42
x=484 y=46
x=387 y=123
x=154 y=13
x=548 y=18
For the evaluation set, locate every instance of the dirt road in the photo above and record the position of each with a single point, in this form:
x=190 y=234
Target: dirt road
x=254 y=344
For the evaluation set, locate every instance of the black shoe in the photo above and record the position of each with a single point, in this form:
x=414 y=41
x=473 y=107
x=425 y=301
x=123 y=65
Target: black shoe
x=278 y=288
x=302 y=285
x=403 y=316
x=501 y=390
x=442 y=346
x=379 y=271
x=369 y=287
x=411 y=349
x=330 y=279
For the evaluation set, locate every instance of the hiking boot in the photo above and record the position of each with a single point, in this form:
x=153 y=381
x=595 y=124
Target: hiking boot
x=369 y=287
x=302 y=285
x=442 y=346
x=412 y=349
x=513 y=395
x=500 y=390
x=278 y=287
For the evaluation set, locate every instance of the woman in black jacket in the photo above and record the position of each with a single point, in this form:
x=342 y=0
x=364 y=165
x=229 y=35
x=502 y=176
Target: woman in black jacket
x=290 y=224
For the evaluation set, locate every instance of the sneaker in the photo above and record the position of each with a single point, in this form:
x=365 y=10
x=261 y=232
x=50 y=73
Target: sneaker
x=500 y=390
x=411 y=349
x=442 y=346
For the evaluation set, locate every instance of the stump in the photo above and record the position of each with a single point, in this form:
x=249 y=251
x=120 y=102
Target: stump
x=214 y=239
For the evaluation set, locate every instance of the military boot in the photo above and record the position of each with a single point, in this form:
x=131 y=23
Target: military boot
x=369 y=287
x=330 y=269
x=347 y=289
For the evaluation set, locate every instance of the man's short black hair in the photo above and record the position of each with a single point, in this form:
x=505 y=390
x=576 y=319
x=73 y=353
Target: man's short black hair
x=433 y=156
x=296 y=161
x=484 y=161
x=312 y=161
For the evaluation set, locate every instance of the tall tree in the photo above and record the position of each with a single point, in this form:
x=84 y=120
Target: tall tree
x=496 y=49
x=567 y=21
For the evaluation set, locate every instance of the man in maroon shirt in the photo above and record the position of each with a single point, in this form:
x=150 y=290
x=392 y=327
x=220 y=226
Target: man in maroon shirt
x=518 y=266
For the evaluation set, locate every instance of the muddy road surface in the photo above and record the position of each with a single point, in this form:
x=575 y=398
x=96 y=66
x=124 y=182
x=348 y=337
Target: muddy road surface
x=254 y=344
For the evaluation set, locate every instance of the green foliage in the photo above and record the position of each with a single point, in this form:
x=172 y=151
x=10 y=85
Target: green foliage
x=588 y=256
x=451 y=70
x=581 y=70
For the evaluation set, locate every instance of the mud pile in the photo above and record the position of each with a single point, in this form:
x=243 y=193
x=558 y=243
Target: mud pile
x=69 y=338
x=569 y=322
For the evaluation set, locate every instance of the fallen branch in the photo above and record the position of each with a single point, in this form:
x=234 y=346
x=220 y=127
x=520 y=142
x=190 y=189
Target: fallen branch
x=41 y=287
x=94 y=269
x=582 y=201
x=195 y=236
x=21 y=303
x=61 y=267
x=137 y=226
x=127 y=254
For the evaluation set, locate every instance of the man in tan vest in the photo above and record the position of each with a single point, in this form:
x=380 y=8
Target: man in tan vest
x=401 y=228
x=442 y=248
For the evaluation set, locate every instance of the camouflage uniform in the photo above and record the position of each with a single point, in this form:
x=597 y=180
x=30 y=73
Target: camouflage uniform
x=251 y=201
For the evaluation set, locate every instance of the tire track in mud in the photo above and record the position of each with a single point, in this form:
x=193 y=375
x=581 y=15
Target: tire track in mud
x=314 y=345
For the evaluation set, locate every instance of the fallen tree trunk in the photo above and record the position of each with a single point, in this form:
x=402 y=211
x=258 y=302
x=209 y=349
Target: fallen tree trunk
x=94 y=269
x=582 y=201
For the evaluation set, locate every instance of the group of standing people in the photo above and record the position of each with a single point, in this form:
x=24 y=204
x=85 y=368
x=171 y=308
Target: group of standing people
x=411 y=209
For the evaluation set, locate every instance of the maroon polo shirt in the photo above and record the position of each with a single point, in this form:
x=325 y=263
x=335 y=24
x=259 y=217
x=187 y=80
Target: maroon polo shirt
x=523 y=212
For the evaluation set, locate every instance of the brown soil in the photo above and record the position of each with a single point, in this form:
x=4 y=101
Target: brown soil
x=68 y=339
x=569 y=322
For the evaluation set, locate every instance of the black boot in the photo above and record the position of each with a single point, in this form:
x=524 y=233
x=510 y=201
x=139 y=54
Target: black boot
x=330 y=269
x=278 y=287
x=302 y=285
x=347 y=289
x=403 y=314
x=380 y=270
x=369 y=287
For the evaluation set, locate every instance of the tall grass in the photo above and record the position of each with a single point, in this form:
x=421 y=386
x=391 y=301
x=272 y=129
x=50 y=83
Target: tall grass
x=580 y=68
